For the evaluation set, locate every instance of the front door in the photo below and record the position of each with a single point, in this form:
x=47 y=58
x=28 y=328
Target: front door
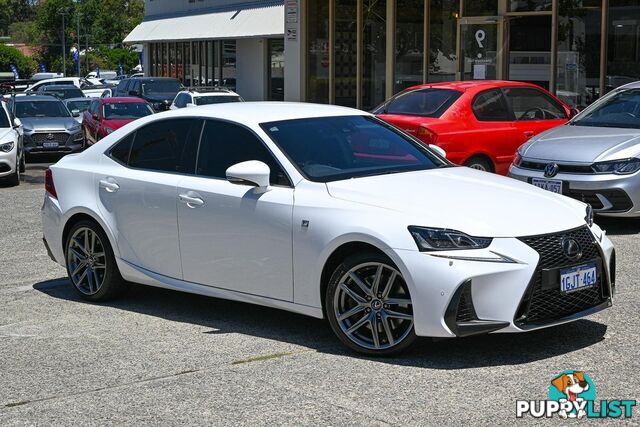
x=480 y=44
x=233 y=236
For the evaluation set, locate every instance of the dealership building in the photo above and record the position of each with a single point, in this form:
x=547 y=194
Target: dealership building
x=359 y=52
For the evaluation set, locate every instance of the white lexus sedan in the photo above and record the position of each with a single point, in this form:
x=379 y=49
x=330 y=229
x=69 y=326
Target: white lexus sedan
x=325 y=211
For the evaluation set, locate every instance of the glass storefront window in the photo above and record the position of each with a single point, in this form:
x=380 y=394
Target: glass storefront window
x=623 y=62
x=229 y=61
x=578 y=73
x=409 y=43
x=172 y=60
x=532 y=5
x=318 y=51
x=443 y=16
x=480 y=8
x=374 y=61
x=276 y=70
x=530 y=56
x=479 y=51
x=345 y=52
x=187 y=63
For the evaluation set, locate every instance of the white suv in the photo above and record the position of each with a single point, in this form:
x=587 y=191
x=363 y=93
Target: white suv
x=193 y=97
x=12 y=161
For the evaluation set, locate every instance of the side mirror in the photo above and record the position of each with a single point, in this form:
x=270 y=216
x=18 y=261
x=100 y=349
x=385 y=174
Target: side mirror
x=191 y=104
x=94 y=116
x=17 y=122
x=438 y=150
x=253 y=172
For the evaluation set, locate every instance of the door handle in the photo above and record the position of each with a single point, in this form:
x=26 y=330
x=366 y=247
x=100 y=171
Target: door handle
x=191 y=199
x=529 y=133
x=110 y=185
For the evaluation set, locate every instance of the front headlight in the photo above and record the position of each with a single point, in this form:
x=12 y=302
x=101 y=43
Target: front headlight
x=6 y=147
x=442 y=239
x=618 y=167
x=78 y=137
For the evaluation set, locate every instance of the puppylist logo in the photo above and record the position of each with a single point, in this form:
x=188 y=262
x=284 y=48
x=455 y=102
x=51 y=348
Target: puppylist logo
x=572 y=394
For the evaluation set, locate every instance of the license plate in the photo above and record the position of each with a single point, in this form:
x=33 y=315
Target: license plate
x=50 y=145
x=553 y=185
x=578 y=278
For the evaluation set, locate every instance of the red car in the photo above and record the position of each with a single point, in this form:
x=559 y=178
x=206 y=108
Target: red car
x=108 y=114
x=478 y=123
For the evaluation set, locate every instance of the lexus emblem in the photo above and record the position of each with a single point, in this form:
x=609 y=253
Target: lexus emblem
x=50 y=136
x=551 y=170
x=572 y=249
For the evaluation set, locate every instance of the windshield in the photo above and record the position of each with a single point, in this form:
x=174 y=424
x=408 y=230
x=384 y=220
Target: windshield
x=421 y=102
x=333 y=148
x=620 y=110
x=160 y=86
x=63 y=93
x=41 y=109
x=206 y=100
x=79 y=105
x=126 y=110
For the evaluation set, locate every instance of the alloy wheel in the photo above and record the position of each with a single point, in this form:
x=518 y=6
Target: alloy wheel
x=478 y=166
x=372 y=306
x=86 y=261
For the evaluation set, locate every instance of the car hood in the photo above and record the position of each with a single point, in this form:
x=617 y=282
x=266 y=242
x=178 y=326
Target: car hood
x=160 y=97
x=116 y=124
x=583 y=144
x=48 y=123
x=4 y=132
x=477 y=203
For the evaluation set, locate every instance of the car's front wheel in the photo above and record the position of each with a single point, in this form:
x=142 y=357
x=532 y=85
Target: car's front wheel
x=90 y=262
x=369 y=306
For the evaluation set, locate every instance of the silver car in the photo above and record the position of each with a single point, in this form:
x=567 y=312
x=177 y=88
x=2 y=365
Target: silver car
x=49 y=126
x=595 y=157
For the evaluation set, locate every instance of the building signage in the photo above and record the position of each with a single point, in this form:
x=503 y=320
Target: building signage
x=291 y=10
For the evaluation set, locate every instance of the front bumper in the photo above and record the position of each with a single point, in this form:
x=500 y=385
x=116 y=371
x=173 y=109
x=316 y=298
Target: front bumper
x=35 y=143
x=453 y=297
x=608 y=194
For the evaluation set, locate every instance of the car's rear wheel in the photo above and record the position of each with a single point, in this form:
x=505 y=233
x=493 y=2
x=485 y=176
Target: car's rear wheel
x=369 y=306
x=479 y=163
x=90 y=262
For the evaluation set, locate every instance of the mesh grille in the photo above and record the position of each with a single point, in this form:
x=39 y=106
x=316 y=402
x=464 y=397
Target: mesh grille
x=466 y=312
x=618 y=198
x=545 y=305
x=60 y=138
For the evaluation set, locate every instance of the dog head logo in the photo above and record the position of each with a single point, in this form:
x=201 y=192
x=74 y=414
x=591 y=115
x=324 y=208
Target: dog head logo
x=575 y=387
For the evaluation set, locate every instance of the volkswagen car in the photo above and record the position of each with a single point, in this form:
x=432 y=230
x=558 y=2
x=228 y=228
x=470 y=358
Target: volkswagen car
x=594 y=158
x=325 y=211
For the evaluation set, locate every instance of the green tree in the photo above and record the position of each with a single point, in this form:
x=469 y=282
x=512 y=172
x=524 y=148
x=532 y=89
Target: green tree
x=10 y=55
x=15 y=11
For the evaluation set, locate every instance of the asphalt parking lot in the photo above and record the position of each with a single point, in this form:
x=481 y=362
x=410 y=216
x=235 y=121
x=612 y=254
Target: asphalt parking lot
x=162 y=357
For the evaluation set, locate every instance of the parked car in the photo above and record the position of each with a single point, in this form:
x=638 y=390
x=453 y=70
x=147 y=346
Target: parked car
x=12 y=162
x=104 y=74
x=61 y=91
x=157 y=91
x=384 y=237
x=204 y=96
x=48 y=125
x=478 y=123
x=88 y=89
x=105 y=115
x=594 y=158
x=78 y=106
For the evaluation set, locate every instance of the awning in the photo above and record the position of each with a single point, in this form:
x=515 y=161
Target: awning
x=228 y=24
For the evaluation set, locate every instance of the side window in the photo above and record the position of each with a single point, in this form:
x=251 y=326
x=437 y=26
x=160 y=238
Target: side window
x=490 y=106
x=532 y=104
x=225 y=144
x=181 y=100
x=120 y=151
x=95 y=106
x=167 y=146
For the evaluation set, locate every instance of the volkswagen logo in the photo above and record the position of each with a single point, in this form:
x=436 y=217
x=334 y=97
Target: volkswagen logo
x=50 y=136
x=551 y=170
x=572 y=249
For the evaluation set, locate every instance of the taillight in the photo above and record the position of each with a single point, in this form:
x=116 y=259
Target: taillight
x=49 y=186
x=427 y=135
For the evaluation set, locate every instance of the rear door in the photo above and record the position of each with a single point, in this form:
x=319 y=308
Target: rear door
x=534 y=111
x=91 y=121
x=137 y=185
x=234 y=237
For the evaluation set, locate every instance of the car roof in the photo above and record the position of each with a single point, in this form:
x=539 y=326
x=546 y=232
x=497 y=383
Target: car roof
x=123 y=100
x=57 y=79
x=255 y=113
x=156 y=78
x=84 y=98
x=58 y=87
x=30 y=98
x=464 y=85
x=213 y=93
x=632 y=85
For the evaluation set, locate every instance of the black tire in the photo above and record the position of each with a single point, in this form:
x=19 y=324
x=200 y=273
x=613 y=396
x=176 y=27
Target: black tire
x=112 y=284
x=23 y=165
x=479 y=163
x=335 y=297
x=14 y=178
